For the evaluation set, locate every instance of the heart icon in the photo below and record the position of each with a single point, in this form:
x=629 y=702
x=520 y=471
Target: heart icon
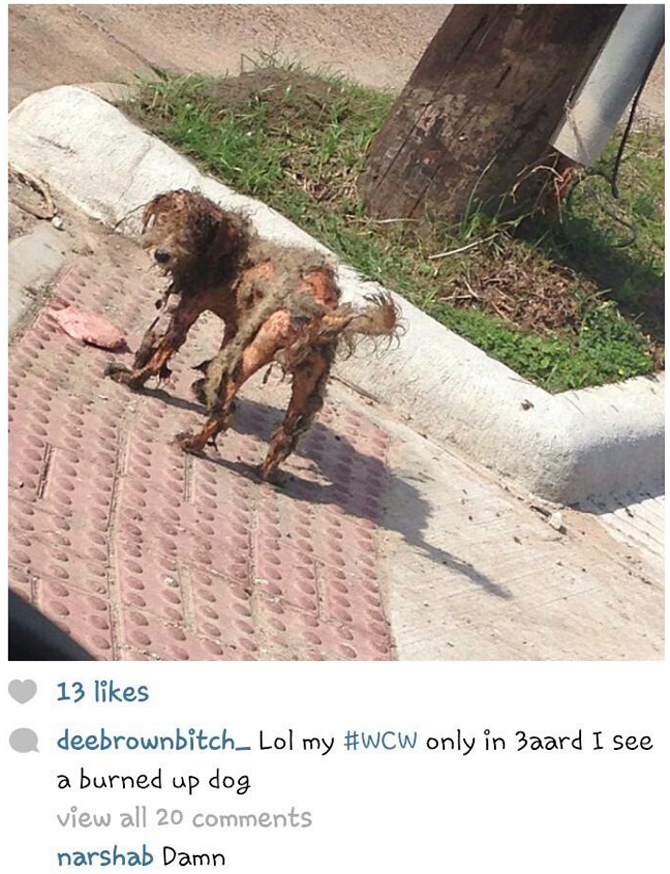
x=22 y=690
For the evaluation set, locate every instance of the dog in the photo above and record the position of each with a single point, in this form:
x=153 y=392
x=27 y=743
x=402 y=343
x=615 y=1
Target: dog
x=278 y=304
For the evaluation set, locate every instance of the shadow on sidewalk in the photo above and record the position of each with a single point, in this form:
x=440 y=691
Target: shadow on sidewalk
x=259 y=420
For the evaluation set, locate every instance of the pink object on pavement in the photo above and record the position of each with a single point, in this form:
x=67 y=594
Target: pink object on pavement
x=90 y=327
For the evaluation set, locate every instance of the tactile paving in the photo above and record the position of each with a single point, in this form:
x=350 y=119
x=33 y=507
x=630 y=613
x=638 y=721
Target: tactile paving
x=142 y=552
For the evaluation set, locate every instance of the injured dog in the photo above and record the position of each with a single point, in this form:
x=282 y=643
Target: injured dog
x=278 y=304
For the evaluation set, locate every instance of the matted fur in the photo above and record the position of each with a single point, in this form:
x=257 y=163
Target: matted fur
x=279 y=304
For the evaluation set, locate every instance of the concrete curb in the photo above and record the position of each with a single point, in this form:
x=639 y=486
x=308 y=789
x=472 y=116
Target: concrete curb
x=563 y=447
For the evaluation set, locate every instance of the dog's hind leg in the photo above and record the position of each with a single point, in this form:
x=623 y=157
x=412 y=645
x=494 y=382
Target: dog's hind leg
x=156 y=348
x=277 y=333
x=309 y=383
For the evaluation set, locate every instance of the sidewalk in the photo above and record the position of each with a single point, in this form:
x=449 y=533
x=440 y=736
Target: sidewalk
x=382 y=545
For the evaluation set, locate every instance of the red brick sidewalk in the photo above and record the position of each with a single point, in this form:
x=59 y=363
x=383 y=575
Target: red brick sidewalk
x=141 y=552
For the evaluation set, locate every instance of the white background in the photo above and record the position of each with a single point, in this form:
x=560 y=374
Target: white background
x=373 y=811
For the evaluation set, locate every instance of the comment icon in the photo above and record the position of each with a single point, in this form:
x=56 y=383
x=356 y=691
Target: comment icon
x=23 y=740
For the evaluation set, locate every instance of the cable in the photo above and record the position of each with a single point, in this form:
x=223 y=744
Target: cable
x=612 y=178
x=629 y=124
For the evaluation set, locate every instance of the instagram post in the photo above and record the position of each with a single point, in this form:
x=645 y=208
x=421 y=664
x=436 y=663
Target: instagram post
x=336 y=437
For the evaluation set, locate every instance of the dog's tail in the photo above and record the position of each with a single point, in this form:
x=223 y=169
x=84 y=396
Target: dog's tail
x=380 y=317
x=345 y=325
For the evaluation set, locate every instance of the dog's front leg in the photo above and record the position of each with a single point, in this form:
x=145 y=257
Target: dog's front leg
x=157 y=347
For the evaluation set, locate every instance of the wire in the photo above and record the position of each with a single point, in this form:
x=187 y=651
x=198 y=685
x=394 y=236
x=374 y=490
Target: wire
x=629 y=125
x=612 y=179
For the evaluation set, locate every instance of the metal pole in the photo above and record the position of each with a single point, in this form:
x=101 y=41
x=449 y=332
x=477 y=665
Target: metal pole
x=611 y=84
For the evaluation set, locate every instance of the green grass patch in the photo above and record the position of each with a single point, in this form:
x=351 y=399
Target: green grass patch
x=533 y=299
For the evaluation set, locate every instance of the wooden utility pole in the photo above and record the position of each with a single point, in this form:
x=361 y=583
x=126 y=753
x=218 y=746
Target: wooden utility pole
x=481 y=106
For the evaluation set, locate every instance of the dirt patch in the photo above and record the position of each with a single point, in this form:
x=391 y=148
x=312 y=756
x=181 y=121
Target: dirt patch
x=56 y=45
x=518 y=288
x=20 y=221
x=287 y=96
x=375 y=45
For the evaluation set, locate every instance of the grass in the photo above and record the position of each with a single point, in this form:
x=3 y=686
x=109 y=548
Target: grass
x=557 y=302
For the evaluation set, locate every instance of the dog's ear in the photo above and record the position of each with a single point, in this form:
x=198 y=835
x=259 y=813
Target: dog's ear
x=226 y=239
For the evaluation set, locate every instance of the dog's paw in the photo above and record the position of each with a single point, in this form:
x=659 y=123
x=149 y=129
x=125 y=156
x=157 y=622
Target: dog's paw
x=124 y=375
x=214 y=445
x=273 y=476
x=189 y=443
x=119 y=372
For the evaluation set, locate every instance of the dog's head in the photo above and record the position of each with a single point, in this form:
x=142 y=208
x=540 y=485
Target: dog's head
x=188 y=234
